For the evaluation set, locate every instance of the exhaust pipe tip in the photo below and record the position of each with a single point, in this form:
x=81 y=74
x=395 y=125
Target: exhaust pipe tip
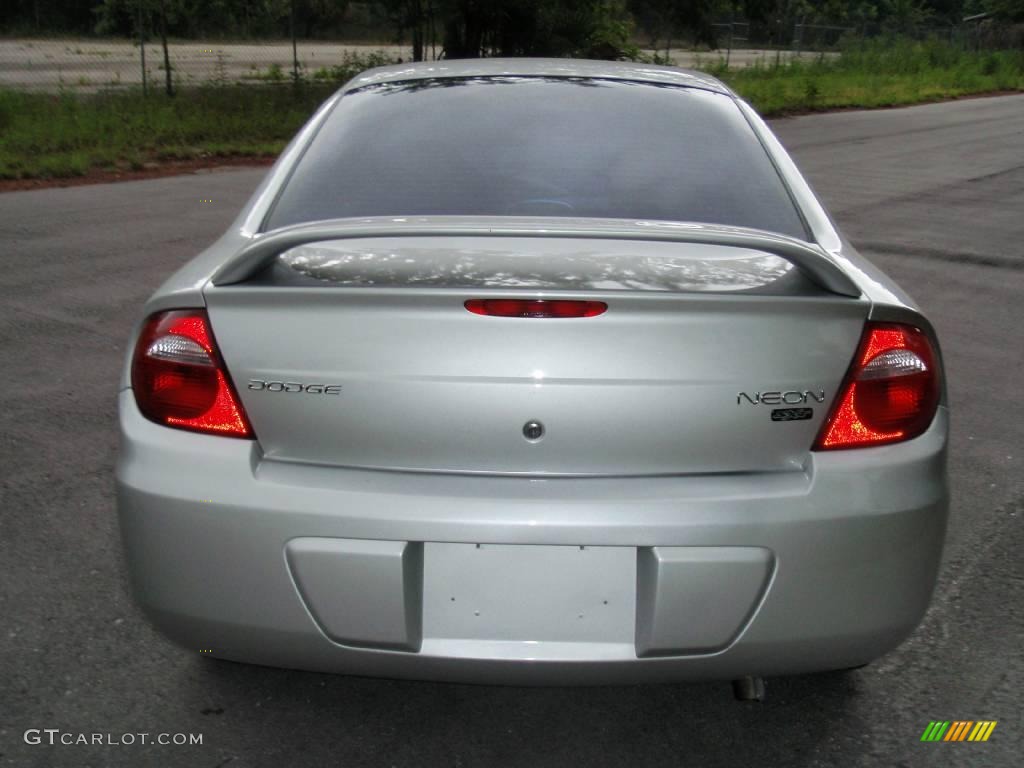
x=748 y=688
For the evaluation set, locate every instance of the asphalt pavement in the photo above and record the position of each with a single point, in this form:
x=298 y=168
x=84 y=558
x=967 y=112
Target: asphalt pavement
x=934 y=194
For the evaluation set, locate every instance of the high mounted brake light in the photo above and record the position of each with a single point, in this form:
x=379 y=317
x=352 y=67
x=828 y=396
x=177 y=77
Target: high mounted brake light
x=179 y=378
x=890 y=392
x=550 y=308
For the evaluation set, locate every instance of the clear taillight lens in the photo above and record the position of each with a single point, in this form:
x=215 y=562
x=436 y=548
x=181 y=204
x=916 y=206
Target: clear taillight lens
x=179 y=378
x=890 y=393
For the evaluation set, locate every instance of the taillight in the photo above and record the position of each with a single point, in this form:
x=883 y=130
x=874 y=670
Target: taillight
x=535 y=307
x=179 y=378
x=890 y=393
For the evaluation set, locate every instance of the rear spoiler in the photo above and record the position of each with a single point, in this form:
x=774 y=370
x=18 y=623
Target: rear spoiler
x=809 y=258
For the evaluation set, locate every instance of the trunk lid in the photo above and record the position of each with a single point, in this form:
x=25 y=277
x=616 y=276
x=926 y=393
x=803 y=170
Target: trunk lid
x=361 y=353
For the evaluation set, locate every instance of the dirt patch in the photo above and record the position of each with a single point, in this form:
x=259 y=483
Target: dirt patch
x=148 y=171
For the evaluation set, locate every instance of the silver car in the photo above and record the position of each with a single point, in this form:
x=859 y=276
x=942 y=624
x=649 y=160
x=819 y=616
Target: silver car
x=538 y=372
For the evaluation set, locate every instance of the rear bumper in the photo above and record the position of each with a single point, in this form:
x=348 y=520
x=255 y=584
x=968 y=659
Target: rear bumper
x=628 y=580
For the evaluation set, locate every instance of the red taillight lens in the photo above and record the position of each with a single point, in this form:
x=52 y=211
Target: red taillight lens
x=535 y=307
x=890 y=393
x=179 y=378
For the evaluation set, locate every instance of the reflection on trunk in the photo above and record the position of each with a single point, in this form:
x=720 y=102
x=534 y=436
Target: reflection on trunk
x=469 y=263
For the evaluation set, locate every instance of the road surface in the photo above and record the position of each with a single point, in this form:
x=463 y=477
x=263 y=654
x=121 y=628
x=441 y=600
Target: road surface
x=935 y=194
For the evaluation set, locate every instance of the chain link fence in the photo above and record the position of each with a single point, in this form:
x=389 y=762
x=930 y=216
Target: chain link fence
x=89 y=65
x=94 y=64
x=803 y=37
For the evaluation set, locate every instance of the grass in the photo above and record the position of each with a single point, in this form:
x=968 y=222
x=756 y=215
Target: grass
x=878 y=73
x=62 y=135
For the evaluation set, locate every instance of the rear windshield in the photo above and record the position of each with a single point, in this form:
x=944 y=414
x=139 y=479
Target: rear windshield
x=528 y=146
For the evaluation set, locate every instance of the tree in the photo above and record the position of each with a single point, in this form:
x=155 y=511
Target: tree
x=124 y=17
x=162 y=13
x=673 y=16
x=1007 y=10
x=313 y=15
x=472 y=28
x=905 y=15
x=658 y=18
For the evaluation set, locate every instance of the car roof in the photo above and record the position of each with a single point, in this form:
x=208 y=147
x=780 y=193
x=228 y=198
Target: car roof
x=523 y=67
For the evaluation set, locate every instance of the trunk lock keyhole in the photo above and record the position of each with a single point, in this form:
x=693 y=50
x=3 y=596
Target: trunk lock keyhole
x=533 y=430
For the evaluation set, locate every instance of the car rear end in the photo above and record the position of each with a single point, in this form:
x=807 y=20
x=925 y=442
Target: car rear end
x=524 y=446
